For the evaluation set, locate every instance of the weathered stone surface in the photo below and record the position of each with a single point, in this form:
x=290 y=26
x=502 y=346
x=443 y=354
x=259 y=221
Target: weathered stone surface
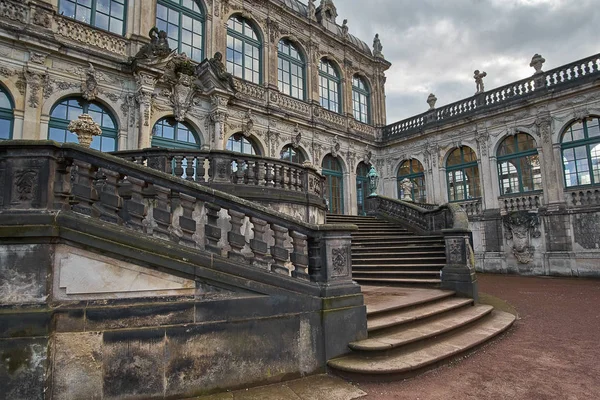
x=22 y=368
x=23 y=270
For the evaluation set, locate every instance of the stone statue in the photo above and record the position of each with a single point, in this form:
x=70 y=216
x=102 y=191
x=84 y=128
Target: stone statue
x=311 y=10
x=219 y=68
x=157 y=48
x=377 y=47
x=345 y=28
x=89 y=87
x=537 y=61
x=478 y=76
x=407 y=186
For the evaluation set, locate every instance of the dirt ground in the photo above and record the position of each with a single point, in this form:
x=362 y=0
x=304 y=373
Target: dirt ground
x=551 y=352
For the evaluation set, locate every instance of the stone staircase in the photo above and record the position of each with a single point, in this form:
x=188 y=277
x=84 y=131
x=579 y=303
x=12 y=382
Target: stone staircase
x=387 y=253
x=412 y=330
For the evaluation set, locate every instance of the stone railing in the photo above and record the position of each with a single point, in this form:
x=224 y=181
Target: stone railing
x=583 y=197
x=41 y=176
x=471 y=207
x=523 y=202
x=452 y=222
x=243 y=174
x=578 y=72
x=87 y=35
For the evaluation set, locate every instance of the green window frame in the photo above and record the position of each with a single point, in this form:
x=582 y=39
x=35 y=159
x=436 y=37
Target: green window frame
x=362 y=187
x=361 y=99
x=292 y=154
x=291 y=70
x=413 y=170
x=244 y=58
x=109 y=15
x=70 y=109
x=172 y=134
x=580 y=147
x=462 y=173
x=334 y=186
x=241 y=144
x=519 y=168
x=183 y=20
x=329 y=87
x=7 y=116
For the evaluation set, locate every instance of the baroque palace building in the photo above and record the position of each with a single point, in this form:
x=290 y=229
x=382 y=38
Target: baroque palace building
x=281 y=79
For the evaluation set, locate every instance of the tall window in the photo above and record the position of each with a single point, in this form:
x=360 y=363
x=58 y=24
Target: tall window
x=329 y=86
x=241 y=144
x=183 y=20
x=104 y=14
x=172 y=134
x=290 y=70
x=463 y=175
x=362 y=187
x=334 y=188
x=295 y=155
x=360 y=99
x=243 y=50
x=6 y=115
x=413 y=170
x=70 y=109
x=581 y=152
x=519 y=165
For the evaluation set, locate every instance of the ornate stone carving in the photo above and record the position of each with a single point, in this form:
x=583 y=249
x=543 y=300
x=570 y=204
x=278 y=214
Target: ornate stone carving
x=478 y=76
x=157 y=50
x=345 y=33
x=25 y=185
x=455 y=250
x=339 y=258
x=335 y=146
x=89 y=86
x=248 y=125
x=520 y=227
x=42 y=18
x=14 y=11
x=221 y=72
x=482 y=138
x=37 y=58
x=377 y=47
x=537 y=61
x=183 y=88
x=219 y=118
x=544 y=125
x=297 y=137
x=87 y=35
x=35 y=82
x=311 y=10
x=85 y=128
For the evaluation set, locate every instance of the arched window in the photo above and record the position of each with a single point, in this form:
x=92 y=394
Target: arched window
x=172 y=134
x=519 y=165
x=463 y=175
x=581 y=152
x=243 y=50
x=362 y=187
x=334 y=188
x=70 y=109
x=289 y=153
x=290 y=70
x=104 y=14
x=329 y=86
x=241 y=144
x=361 y=99
x=183 y=20
x=413 y=170
x=6 y=115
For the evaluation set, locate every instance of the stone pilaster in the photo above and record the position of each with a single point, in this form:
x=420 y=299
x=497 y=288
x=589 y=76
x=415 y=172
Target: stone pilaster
x=144 y=96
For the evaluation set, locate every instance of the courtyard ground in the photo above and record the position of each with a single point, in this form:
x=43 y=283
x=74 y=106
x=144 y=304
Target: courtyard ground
x=552 y=352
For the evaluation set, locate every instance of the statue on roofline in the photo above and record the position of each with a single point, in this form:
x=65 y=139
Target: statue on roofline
x=157 y=48
x=220 y=71
x=377 y=47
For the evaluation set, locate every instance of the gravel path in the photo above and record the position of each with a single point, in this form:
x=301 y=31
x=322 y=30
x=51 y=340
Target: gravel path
x=552 y=351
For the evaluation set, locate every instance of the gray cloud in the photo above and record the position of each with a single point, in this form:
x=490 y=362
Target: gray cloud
x=434 y=45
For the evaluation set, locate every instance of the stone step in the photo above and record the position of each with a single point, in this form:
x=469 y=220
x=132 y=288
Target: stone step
x=383 y=299
x=396 y=238
x=396 y=317
x=427 y=353
x=425 y=329
x=398 y=260
x=399 y=273
x=398 y=281
x=401 y=253
x=393 y=267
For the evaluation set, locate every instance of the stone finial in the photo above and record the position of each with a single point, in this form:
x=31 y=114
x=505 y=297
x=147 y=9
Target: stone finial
x=431 y=99
x=85 y=128
x=537 y=61
x=377 y=47
x=478 y=76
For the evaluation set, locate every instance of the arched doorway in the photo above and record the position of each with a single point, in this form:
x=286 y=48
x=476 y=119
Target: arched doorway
x=334 y=187
x=362 y=187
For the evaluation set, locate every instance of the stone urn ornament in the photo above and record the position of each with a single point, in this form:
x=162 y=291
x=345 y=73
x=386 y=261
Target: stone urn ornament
x=85 y=128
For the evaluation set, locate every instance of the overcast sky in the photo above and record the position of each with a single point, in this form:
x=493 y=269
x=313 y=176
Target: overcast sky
x=435 y=45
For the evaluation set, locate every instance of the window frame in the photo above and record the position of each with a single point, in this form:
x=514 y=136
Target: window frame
x=185 y=11
x=412 y=176
x=335 y=174
x=360 y=92
x=462 y=166
x=253 y=144
x=62 y=124
x=301 y=63
x=588 y=142
x=287 y=149
x=161 y=141
x=331 y=79
x=517 y=155
x=246 y=41
x=93 y=12
x=8 y=114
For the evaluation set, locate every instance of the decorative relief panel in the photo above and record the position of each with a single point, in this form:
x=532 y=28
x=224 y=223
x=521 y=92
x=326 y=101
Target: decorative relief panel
x=339 y=260
x=90 y=36
x=520 y=227
x=15 y=11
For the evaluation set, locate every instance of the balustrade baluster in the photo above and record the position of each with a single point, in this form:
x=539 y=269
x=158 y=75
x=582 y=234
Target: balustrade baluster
x=251 y=172
x=178 y=170
x=236 y=239
x=162 y=212
x=134 y=209
x=277 y=175
x=186 y=220
x=260 y=173
x=109 y=203
x=269 y=174
x=278 y=251
x=84 y=192
x=212 y=230
x=62 y=185
x=200 y=170
x=242 y=170
x=258 y=245
x=286 y=177
x=189 y=167
x=299 y=258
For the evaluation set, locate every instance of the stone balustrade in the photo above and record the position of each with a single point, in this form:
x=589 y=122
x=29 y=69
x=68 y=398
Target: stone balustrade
x=43 y=176
x=578 y=72
x=583 y=197
x=471 y=207
x=521 y=202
